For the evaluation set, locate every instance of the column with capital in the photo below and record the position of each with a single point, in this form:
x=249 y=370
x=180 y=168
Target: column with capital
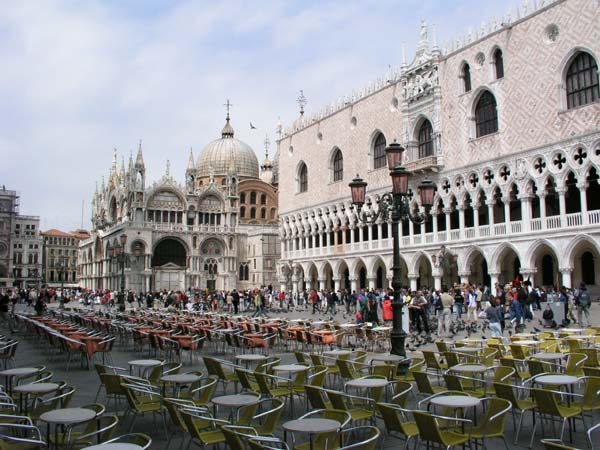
x=461 y=221
x=493 y=280
x=542 y=197
x=412 y=278
x=354 y=284
x=476 y=220
x=529 y=274
x=526 y=212
x=490 y=204
x=372 y=281
x=562 y=205
x=322 y=283
x=336 y=284
x=464 y=276
x=583 y=201
x=437 y=281
x=434 y=225
x=567 y=280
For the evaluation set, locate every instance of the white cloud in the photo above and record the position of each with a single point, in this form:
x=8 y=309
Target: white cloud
x=80 y=78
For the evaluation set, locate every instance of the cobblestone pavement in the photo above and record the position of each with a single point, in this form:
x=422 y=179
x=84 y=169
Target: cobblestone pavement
x=32 y=352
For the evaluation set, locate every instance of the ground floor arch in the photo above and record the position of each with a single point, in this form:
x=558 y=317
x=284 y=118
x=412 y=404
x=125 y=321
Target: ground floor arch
x=544 y=259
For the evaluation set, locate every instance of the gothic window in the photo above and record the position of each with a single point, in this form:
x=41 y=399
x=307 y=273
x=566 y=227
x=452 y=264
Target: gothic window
x=244 y=275
x=263 y=199
x=338 y=165
x=466 y=76
x=499 y=64
x=582 y=81
x=303 y=178
x=263 y=213
x=243 y=212
x=243 y=197
x=272 y=214
x=253 y=198
x=253 y=213
x=379 y=158
x=425 y=139
x=486 y=115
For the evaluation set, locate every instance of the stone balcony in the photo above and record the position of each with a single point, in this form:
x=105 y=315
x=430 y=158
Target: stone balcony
x=576 y=222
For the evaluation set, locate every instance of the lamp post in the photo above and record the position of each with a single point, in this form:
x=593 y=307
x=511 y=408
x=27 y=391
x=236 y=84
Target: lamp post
x=117 y=253
x=397 y=205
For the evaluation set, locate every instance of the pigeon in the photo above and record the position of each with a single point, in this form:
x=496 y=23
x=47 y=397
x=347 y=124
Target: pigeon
x=537 y=330
x=483 y=337
x=252 y=127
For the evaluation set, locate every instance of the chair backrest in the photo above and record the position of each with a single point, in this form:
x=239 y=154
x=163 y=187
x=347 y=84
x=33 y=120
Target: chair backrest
x=428 y=427
x=394 y=418
x=503 y=373
x=315 y=396
x=590 y=393
x=453 y=382
x=536 y=367
x=556 y=444
x=317 y=378
x=346 y=369
x=442 y=346
x=575 y=362
x=546 y=402
x=431 y=360
x=269 y=418
x=592 y=357
x=488 y=356
x=505 y=391
x=495 y=415
x=370 y=437
x=402 y=390
x=338 y=400
x=518 y=351
x=451 y=358
x=423 y=383
x=207 y=389
x=140 y=439
x=233 y=439
x=301 y=357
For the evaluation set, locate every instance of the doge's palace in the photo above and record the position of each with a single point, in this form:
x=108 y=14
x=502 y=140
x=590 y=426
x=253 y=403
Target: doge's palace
x=505 y=120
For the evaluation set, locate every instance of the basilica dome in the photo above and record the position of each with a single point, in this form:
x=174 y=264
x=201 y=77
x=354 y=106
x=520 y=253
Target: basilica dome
x=217 y=157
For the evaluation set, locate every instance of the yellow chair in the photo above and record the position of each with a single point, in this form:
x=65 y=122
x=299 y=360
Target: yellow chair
x=359 y=408
x=424 y=385
x=430 y=430
x=396 y=420
x=493 y=423
x=328 y=440
x=556 y=444
x=506 y=392
x=370 y=437
x=433 y=363
x=141 y=440
x=548 y=404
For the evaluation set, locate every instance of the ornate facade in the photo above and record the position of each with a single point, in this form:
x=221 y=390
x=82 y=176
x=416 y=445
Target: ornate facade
x=218 y=229
x=506 y=121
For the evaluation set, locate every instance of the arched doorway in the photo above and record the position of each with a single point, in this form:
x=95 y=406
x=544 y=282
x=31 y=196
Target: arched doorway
x=328 y=272
x=547 y=264
x=379 y=278
x=478 y=269
x=169 y=264
x=588 y=268
x=510 y=266
x=362 y=278
x=547 y=270
x=424 y=271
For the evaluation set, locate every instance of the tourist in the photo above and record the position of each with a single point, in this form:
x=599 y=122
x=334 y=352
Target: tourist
x=417 y=310
x=494 y=316
x=582 y=303
x=445 y=313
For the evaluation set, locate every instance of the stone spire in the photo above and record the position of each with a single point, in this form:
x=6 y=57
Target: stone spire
x=227 y=131
x=168 y=171
x=130 y=168
x=191 y=166
x=423 y=40
x=139 y=160
x=114 y=169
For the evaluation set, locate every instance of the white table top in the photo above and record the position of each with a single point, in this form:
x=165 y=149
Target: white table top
x=311 y=426
x=290 y=368
x=251 y=357
x=235 y=400
x=526 y=343
x=36 y=388
x=556 y=379
x=114 y=446
x=145 y=362
x=337 y=352
x=180 y=378
x=467 y=349
x=349 y=325
x=68 y=416
x=548 y=356
x=456 y=401
x=367 y=383
x=387 y=357
x=19 y=371
x=470 y=368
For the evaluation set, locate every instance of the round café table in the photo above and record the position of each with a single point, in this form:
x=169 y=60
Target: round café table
x=177 y=380
x=25 y=390
x=470 y=368
x=14 y=374
x=367 y=384
x=248 y=359
x=290 y=368
x=548 y=356
x=387 y=357
x=234 y=402
x=143 y=365
x=556 y=380
x=457 y=402
x=114 y=446
x=310 y=427
x=65 y=417
x=337 y=353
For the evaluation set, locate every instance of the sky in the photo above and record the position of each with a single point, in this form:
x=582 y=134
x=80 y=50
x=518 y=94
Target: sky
x=82 y=78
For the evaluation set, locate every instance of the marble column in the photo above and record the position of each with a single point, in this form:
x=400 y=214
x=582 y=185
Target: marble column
x=583 y=200
x=337 y=284
x=437 y=281
x=354 y=285
x=371 y=282
x=464 y=276
x=412 y=278
x=526 y=213
x=567 y=273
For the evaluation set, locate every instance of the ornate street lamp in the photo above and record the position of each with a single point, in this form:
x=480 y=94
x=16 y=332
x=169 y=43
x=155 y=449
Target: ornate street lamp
x=397 y=205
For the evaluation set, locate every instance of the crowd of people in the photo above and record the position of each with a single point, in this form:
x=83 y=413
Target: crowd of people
x=505 y=307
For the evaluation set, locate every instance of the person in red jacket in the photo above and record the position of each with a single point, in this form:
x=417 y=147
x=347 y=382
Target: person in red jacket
x=387 y=312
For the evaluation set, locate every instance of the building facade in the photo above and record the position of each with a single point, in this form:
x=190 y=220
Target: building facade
x=59 y=260
x=20 y=244
x=218 y=229
x=505 y=121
